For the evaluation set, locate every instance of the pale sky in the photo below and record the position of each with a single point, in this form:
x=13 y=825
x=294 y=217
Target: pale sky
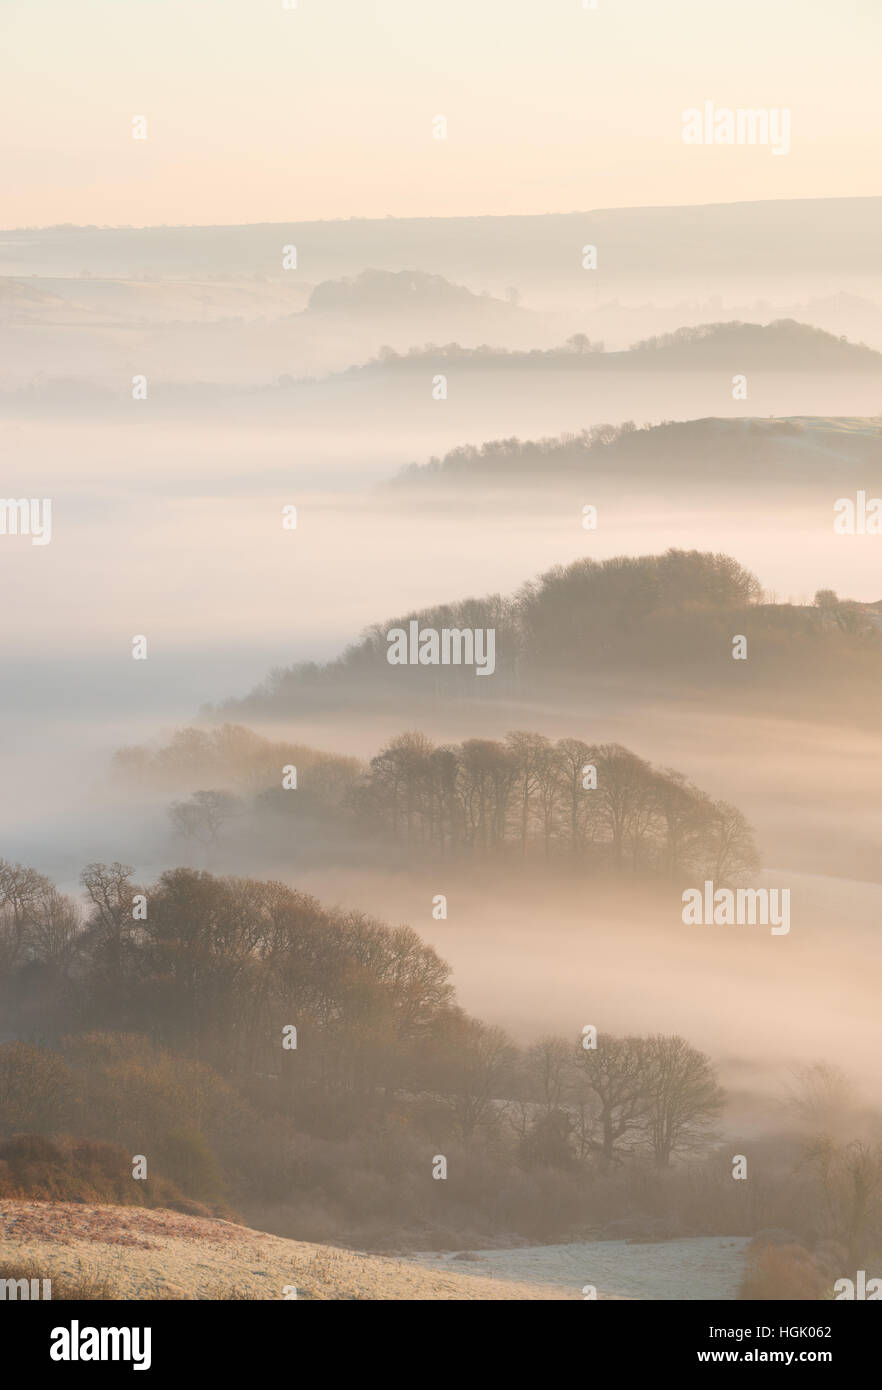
x=260 y=114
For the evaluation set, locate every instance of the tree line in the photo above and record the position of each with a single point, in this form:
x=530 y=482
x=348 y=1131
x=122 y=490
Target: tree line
x=667 y=619
x=784 y=344
x=596 y=806
x=526 y=795
x=651 y=612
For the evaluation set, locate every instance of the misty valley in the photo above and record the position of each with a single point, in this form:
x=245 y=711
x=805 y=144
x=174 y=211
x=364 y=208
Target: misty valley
x=329 y=970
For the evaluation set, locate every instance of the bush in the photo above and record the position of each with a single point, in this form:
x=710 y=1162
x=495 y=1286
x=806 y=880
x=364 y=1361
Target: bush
x=782 y=1272
x=34 y=1167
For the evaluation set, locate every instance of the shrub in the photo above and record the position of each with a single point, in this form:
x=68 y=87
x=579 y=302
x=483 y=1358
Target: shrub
x=34 y=1167
x=782 y=1272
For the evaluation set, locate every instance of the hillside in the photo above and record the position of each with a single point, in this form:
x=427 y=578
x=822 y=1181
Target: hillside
x=106 y=1252
x=781 y=346
x=409 y=292
x=790 y=451
x=130 y=1253
x=671 y=617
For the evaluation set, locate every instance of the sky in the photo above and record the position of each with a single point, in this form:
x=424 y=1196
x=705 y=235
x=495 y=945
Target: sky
x=260 y=113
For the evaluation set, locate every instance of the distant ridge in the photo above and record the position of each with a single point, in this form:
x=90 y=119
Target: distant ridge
x=793 y=449
x=782 y=346
x=777 y=235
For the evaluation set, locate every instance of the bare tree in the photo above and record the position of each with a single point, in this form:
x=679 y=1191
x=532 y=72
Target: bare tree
x=850 y=1179
x=110 y=890
x=529 y=752
x=573 y=756
x=206 y=813
x=473 y=1078
x=685 y=1098
x=623 y=782
x=821 y=1098
x=731 y=852
x=21 y=891
x=614 y=1081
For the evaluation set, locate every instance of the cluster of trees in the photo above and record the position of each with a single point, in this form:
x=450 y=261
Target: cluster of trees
x=621 y=1098
x=579 y=345
x=37 y=923
x=394 y=291
x=649 y=608
x=162 y=1020
x=783 y=345
x=233 y=757
x=521 y=455
x=230 y=774
x=268 y=988
x=669 y=617
x=647 y=612
x=525 y=795
x=594 y=805
x=219 y=967
x=676 y=449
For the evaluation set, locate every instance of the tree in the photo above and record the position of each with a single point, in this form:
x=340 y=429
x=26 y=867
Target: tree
x=731 y=852
x=685 y=1098
x=477 y=1063
x=826 y=599
x=205 y=814
x=614 y=1079
x=850 y=1179
x=573 y=756
x=110 y=925
x=487 y=775
x=55 y=930
x=529 y=752
x=849 y=617
x=548 y=1141
x=622 y=793
x=822 y=1098
x=21 y=891
x=549 y=1066
x=685 y=812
